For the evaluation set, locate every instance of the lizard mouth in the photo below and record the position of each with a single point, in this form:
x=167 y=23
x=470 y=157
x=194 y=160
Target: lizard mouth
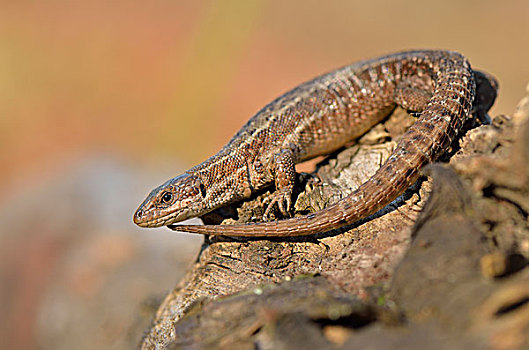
x=145 y=219
x=154 y=222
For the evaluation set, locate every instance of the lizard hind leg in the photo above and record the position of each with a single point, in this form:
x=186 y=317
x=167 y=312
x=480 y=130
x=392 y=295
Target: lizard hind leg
x=285 y=179
x=412 y=97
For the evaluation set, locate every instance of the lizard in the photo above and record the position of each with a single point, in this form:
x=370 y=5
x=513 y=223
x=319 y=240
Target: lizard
x=317 y=118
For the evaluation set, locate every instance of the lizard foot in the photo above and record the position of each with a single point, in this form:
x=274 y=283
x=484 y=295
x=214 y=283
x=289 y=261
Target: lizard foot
x=283 y=200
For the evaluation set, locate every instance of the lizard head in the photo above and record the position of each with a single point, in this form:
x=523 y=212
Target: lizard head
x=178 y=199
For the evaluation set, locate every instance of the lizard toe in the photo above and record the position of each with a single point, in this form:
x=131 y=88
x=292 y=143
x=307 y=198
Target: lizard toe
x=284 y=202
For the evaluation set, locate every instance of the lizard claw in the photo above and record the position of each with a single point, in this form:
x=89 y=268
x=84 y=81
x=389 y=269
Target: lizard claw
x=284 y=202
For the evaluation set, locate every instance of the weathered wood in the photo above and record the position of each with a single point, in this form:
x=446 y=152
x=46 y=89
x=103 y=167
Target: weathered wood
x=246 y=292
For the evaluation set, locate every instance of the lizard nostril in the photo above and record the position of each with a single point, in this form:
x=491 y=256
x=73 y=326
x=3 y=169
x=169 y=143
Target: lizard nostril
x=137 y=216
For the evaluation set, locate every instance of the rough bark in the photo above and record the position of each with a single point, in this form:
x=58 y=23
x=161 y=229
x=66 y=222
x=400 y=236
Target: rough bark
x=454 y=276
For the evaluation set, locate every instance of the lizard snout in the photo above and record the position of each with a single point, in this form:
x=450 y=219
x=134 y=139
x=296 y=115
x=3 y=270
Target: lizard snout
x=137 y=218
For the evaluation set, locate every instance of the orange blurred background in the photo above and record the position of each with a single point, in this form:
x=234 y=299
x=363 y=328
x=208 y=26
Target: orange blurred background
x=102 y=101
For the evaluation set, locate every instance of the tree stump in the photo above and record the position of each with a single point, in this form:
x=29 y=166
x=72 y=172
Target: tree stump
x=444 y=265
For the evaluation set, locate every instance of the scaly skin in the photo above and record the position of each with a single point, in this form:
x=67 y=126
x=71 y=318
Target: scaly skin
x=317 y=118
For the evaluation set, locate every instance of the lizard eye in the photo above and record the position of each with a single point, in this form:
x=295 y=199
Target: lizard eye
x=167 y=197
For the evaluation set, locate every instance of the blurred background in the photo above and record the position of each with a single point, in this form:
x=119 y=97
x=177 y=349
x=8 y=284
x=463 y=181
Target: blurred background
x=101 y=101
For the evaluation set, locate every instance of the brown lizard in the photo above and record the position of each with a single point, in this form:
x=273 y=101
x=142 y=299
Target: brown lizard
x=317 y=118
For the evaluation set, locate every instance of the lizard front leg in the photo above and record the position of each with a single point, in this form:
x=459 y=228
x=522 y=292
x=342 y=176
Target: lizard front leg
x=284 y=172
